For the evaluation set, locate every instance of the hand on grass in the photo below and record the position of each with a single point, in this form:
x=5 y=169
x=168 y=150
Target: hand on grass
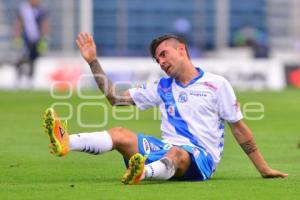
x=272 y=173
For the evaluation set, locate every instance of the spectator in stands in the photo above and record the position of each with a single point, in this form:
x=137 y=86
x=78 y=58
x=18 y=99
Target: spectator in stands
x=256 y=39
x=29 y=36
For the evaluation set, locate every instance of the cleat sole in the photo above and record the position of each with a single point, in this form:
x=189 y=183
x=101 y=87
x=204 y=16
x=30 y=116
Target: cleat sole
x=135 y=170
x=49 y=123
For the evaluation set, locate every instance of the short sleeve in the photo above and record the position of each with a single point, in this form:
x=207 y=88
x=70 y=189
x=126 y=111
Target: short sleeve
x=228 y=106
x=145 y=96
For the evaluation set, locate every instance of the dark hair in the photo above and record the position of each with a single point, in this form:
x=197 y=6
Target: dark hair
x=156 y=42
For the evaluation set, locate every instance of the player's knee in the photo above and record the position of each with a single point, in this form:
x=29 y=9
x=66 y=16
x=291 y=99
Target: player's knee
x=116 y=130
x=181 y=159
x=120 y=136
x=117 y=133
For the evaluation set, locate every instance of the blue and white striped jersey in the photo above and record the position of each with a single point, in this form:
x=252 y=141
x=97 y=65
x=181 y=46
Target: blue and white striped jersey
x=193 y=114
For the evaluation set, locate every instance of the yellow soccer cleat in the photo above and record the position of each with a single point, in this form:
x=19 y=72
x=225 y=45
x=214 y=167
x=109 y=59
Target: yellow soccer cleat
x=135 y=169
x=57 y=132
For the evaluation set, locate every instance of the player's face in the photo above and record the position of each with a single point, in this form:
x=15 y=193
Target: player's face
x=169 y=56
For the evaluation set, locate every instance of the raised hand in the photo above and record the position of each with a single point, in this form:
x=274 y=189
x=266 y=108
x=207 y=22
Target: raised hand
x=87 y=46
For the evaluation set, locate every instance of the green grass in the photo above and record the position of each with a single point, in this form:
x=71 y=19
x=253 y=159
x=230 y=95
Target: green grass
x=28 y=171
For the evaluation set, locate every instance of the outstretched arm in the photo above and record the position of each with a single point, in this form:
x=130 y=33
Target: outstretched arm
x=244 y=137
x=87 y=47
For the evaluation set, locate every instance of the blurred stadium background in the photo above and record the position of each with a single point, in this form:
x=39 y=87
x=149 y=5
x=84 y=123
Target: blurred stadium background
x=255 y=44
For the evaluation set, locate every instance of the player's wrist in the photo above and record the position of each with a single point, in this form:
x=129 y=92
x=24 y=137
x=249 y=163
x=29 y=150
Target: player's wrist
x=91 y=61
x=264 y=171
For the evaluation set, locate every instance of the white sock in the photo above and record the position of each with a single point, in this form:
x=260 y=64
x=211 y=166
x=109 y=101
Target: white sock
x=162 y=169
x=93 y=143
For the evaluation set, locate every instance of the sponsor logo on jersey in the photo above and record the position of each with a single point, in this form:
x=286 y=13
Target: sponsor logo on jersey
x=198 y=93
x=183 y=97
x=146 y=146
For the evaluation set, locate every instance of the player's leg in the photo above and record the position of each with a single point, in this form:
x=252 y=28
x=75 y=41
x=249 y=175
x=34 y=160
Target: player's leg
x=183 y=163
x=162 y=161
x=19 y=65
x=33 y=56
x=124 y=141
x=175 y=162
x=31 y=64
x=121 y=139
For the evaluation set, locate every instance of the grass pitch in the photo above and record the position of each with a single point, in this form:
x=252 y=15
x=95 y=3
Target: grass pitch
x=28 y=171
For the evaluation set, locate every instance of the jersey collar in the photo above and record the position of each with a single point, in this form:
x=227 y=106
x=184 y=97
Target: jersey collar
x=200 y=75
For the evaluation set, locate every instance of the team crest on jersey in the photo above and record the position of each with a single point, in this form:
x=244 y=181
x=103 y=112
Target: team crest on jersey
x=171 y=110
x=183 y=97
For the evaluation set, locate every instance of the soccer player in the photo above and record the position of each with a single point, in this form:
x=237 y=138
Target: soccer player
x=194 y=106
x=30 y=32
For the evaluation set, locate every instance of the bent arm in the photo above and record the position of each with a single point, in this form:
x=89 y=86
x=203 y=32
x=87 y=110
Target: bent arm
x=244 y=137
x=87 y=48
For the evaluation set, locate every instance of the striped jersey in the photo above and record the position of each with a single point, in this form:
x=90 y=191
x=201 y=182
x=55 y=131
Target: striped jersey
x=193 y=114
